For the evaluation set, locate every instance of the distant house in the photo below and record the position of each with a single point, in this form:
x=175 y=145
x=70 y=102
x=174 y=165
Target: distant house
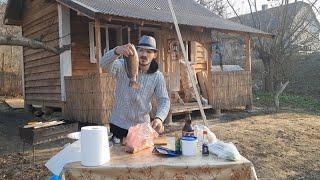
x=300 y=20
x=73 y=80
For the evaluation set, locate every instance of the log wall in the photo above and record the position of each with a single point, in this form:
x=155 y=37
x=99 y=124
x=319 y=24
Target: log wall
x=41 y=68
x=80 y=53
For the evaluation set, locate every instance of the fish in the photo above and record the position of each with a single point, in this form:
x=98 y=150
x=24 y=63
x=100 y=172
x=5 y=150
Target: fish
x=132 y=69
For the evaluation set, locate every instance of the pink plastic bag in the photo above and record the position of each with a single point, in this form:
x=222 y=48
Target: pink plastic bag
x=140 y=137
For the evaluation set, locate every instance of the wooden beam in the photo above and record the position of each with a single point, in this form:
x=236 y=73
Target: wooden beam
x=248 y=53
x=98 y=44
x=142 y=23
x=65 y=39
x=247 y=67
x=106 y=18
x=242 y=33
x=197 y=29
x=209 y=73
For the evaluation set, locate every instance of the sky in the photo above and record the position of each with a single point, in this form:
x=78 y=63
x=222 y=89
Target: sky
x=242 y=6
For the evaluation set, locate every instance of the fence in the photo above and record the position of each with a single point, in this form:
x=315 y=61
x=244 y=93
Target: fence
x=89 y=98
x=231 y=89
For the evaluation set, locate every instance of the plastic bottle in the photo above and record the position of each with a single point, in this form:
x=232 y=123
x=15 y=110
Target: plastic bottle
x=205 y=148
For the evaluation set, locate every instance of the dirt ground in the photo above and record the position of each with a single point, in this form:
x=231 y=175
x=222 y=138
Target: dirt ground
x=282 y=145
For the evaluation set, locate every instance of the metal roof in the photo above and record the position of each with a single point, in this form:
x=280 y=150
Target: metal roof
x=188 y=12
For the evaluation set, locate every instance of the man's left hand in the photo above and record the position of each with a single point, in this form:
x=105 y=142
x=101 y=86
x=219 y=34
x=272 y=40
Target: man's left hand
x=157 y=125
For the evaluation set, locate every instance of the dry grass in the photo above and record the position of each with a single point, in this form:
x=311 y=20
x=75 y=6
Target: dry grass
x=281 y=146
x=284 y=145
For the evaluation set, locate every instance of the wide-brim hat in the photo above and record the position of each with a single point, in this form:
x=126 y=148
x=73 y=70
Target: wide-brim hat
x=147 y=42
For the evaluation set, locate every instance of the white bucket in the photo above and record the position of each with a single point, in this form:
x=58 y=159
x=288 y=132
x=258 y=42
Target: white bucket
x=189 y=145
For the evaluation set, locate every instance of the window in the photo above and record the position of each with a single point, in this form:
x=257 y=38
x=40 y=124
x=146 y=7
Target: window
x=111 y=36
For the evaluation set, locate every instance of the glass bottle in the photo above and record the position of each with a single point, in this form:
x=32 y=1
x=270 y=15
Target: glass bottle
x=205 y=148
x=187 y=128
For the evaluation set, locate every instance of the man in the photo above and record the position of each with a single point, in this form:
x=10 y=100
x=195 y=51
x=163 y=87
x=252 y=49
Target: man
x=133 y=106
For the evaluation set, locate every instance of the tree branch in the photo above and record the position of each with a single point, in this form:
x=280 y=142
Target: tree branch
x=26 y=42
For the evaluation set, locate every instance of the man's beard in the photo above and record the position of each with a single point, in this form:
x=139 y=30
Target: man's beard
x=144 y=59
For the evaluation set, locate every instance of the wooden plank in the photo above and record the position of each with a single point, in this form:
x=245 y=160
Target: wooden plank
x=45 y=28
x=41 y=62
x=47 y=97
x=98 y=43
x=202 y=79
x=44 y=68
x=39 y=9
x=38 y=19
x=41 y=83
x=43 y=90
x=16 y=103
x=40 y=55
x=76 y=72
x=187 y=107
x=48 y=103
x=84 y=68
x=41 y=76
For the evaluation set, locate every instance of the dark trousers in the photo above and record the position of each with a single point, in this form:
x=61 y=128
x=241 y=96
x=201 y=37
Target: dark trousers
x=118 y=131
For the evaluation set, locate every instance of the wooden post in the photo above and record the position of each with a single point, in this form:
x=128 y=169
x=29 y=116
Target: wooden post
x=248 y=68
x=98 y=44
x=2 y=62
x=209 y=73
x=248 y=53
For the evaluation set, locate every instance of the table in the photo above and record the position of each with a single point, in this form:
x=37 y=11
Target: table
x=145 y=165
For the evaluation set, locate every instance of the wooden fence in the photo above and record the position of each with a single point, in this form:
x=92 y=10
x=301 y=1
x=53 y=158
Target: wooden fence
x=89 y=98
x=10 y=84
x=231 y=89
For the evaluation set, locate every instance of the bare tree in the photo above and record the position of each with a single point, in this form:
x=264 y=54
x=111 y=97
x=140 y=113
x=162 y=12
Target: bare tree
x=219 y=7
x=294 y=28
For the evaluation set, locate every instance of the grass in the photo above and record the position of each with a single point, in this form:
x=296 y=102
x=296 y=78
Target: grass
x=306 y=103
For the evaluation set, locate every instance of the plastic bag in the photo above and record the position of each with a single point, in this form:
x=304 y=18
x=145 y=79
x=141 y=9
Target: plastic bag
x=198 y=130
x=224 y=150
x=140 y=137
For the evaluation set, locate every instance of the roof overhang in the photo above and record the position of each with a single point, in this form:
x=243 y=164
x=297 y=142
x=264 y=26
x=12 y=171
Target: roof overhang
x=13 y=13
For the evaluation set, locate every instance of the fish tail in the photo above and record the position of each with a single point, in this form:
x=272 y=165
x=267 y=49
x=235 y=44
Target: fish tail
x=134 y=84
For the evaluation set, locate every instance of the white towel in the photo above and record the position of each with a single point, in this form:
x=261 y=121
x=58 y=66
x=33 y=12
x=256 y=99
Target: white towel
x=71 y=153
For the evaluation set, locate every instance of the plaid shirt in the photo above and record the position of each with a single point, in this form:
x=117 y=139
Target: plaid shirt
x=132 y=106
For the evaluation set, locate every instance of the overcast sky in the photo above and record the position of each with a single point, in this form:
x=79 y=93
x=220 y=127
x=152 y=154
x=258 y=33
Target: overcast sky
x=242 y=6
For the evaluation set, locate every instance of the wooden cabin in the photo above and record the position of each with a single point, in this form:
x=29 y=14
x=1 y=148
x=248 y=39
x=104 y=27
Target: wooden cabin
x=73 y=80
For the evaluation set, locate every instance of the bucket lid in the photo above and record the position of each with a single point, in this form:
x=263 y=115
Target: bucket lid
x=189 y=138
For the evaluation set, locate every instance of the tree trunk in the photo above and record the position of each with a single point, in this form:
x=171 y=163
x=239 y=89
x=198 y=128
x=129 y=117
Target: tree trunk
x=276 y=98
x=269 y=75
